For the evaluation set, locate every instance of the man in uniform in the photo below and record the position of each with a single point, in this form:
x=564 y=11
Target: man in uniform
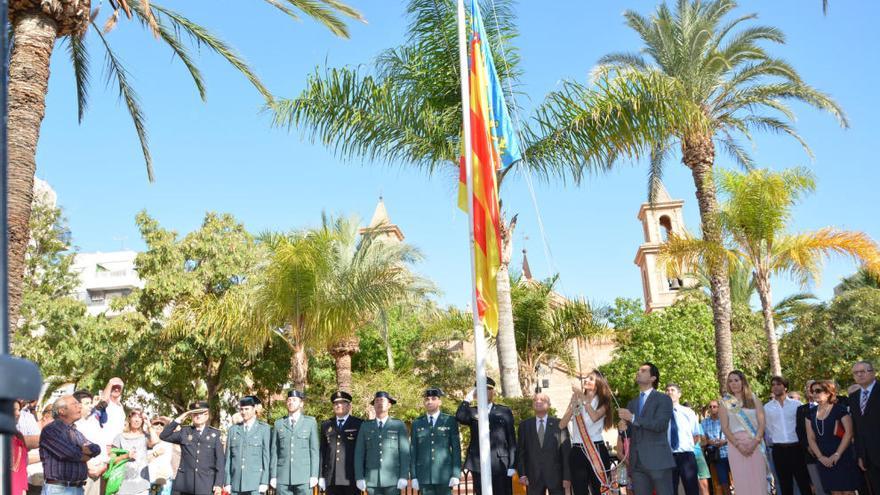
x=247 y=451
x=338 y=437
x=502 y=441
x=436 y=448
x=381 y=452
x=293 y=468
x=202 y=463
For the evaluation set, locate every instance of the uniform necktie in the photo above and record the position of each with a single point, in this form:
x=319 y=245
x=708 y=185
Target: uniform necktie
x=673 y=432
x=863 y=404
x=541 y=432
x=292 y=423
x=431 y=421
x=381 y=424
x=339 y=423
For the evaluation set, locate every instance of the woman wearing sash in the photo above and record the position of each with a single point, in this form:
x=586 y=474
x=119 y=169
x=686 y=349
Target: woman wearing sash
x=742 y=421
x=589 y=414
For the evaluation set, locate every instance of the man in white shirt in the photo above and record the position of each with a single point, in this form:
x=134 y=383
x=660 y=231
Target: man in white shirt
x=787 y=453
x=90 y=427
x=115 y=409
x=684 y=435
x=28 y=426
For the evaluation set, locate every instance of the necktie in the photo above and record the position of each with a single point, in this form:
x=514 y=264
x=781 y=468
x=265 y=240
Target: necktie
x=541 y=432
x=642 y=397
x=247 y=428
x=431 y=421
x=292 y=423
x=673 y=432
x=339 y=423
x=381 y=424
x=863 y=404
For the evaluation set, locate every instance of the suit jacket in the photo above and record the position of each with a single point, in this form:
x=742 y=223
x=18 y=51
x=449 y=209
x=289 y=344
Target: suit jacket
x=649 y=441
x=800 y=428
x=202 y=463
x=381 y=457
x=545 y=465
x=502 y=439
x=337 y=451
x=867 y=426
x=295 y=452
x=247 y=456
x=436 y=451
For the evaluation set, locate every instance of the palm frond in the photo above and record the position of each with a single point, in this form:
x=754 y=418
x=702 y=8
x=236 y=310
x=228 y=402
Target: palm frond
x=801 y=254
x=79 y=57
x=324 y=11
x=117 y=72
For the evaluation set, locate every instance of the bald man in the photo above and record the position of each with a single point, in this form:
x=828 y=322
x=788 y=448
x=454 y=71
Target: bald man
x=543 y=448
x=64 y=451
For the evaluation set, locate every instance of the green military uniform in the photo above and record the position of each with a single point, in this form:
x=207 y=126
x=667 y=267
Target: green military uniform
x=295 y=455
x=247 y=456
x=381 y=454
x=436 y=453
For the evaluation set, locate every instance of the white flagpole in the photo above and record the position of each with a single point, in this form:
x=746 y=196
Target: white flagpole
x=479 y=338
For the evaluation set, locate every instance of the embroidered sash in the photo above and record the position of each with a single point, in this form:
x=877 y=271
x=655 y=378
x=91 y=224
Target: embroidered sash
x=591 y=453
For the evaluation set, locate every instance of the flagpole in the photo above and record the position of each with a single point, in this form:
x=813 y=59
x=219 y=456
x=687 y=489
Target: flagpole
x=479 y=337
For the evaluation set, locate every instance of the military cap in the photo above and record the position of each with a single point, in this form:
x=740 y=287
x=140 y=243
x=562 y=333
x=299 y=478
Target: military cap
x=296 y=393
x=434 y=392
x=383 y=394
x=199 y=404
x=340 y=396
x=249 y=400
x=490 y=383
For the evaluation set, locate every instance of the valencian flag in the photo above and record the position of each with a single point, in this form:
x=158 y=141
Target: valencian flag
x=494 y=146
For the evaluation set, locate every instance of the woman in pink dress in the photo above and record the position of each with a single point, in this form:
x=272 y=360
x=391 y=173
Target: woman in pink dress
x=742 y=421
x=19 y=458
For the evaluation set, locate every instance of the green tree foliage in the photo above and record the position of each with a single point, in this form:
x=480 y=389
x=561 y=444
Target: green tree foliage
x=679 y=340
x=826 y=341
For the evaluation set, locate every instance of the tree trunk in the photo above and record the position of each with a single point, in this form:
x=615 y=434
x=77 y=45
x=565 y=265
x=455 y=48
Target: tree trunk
x=386 y=338
x=699 y=155
x=34 y=35
x=763 y=285
x=299 y=367
x=214 y=370
x=505 y=342
x=342 y=351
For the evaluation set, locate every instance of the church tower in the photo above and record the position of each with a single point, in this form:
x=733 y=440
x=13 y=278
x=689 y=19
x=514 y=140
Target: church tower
x=659 y=220
x=381 y=227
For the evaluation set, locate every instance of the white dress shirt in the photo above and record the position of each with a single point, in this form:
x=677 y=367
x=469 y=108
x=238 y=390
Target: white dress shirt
x=688 y=426
x=293 y=418
x=782 y=420
x=432 y=418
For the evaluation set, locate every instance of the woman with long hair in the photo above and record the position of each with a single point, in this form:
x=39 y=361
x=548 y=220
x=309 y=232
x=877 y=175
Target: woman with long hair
x=829 y=430
x=742 y=421
x=135 y=440
x=590 y=407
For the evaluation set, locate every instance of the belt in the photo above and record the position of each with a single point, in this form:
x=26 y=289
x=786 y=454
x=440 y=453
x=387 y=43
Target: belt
x=65 y=483
x=792 y=444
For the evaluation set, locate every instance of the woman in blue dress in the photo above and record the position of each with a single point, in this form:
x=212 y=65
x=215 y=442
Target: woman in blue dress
x=829 y=433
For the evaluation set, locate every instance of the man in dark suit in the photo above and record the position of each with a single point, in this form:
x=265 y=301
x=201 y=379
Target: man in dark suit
x=864 y=406
x=202 y=459
x=502 y=441
x=338 y=437
x=543 y=449
x=646 y=421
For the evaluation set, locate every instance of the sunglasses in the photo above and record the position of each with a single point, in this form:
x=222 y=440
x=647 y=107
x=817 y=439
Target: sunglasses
x=819 y=391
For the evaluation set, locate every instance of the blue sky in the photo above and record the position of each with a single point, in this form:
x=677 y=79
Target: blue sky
x=224 y=156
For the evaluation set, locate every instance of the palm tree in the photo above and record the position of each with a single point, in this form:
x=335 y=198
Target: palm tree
x=699 y=82
x=36 y=27
x=755 y=216
x=322 y=285
x=408 y=111
x=859 y=280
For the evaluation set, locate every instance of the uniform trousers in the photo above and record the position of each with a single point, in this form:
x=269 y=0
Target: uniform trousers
x=435 y=489
x=383 y=490
x=302 y=489
x=342 y=490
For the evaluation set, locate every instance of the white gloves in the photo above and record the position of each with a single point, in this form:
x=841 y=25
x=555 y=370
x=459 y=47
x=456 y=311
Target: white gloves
x=263 y=488
x=511 y=472
x=453 y=482
x=322 y=484
x=361 y=485
x=401 y=483
x=227 y=488
x=415 y=484
x=273 y=482
x=313 y=482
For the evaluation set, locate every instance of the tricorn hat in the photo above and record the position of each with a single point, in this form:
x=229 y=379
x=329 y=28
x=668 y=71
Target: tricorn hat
x=383 y=394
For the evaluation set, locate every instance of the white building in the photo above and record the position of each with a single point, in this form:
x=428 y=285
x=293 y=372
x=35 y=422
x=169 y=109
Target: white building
x=104 y=277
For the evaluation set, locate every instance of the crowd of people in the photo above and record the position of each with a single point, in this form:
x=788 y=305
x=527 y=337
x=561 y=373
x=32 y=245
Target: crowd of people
x=828 y=444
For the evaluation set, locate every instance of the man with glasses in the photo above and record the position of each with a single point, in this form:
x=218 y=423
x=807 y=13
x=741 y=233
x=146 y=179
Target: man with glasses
x=715 y=439
x=864 y=405
x=202 y=463
x=247 y=451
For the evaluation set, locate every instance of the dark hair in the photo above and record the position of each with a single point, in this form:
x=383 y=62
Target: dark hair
x=655 y=373
x=79 y=395
x=603 y=392
x=829 y=387
x=673 y=384
x=780 y=380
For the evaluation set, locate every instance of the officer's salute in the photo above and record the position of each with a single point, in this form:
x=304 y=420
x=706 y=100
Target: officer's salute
x=248 y=451
x=201 y=470
x=294 y=457
x=338 y=436
x=381 y=453
x=436 y=448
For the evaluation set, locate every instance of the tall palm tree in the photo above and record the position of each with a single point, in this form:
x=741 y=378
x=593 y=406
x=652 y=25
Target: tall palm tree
x=38 y=25
x=700 y=81
x=321 y=285
x=755 y=216
x=408 y=111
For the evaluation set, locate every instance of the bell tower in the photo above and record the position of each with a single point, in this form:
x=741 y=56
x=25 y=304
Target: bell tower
x=659 y=220
x=381 y=227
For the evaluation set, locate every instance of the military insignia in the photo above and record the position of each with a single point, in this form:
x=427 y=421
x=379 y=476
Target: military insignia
x=213 y=435
x=189 y=438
